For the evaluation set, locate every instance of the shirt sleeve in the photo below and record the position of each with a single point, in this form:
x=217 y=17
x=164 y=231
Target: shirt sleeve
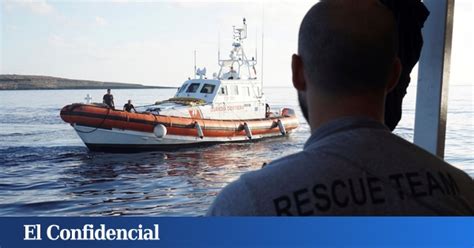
x=234 y=200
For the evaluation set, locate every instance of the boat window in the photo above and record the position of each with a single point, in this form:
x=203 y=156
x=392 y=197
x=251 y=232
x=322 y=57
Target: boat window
x=208 y=89
x=193 y=88
x=234 y=90
x=246 y=90
x=182 y=88
x=223 y=90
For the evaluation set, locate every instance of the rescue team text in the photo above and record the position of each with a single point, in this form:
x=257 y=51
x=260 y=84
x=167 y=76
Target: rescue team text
x=323 y=197
x=90 y=232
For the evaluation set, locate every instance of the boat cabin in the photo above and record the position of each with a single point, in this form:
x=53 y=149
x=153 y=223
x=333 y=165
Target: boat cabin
x=213 y=91
x=225 y=99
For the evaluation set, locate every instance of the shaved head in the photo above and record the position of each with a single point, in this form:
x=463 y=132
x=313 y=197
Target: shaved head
x=348 y=46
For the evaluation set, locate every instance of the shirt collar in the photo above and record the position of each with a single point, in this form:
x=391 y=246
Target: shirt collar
x=343 y=124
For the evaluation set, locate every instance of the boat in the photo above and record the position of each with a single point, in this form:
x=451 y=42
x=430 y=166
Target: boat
x=229 y=107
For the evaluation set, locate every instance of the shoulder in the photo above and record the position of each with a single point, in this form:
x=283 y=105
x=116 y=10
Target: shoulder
x=234 y=200
x=289 y=170
x=284 y=166
x=242 y=197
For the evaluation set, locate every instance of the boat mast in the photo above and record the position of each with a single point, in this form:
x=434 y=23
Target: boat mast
x=195 y=64
x=256 y=45
x=237 y=55
x=218 y=46
x=263 y=28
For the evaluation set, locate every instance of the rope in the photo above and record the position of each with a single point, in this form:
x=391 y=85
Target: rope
x=95 y=129
x=148 y=105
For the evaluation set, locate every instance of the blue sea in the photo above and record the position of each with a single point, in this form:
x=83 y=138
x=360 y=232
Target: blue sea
x=45 y=169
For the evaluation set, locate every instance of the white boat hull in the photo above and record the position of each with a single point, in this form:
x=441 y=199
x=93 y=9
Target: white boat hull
x=98 y=139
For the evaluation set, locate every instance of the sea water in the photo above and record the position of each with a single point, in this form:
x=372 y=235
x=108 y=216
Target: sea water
x=46 y=170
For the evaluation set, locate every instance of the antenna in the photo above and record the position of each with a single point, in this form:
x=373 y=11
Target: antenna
x=195 y=64
x=256 y=43
x=218 y=46
x=244 y=29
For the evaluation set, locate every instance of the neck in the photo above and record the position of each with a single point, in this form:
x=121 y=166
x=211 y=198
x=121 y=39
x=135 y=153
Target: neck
x=324 y=109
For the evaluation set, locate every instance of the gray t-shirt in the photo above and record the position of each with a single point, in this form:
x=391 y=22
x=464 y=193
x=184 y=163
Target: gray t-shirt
x=351 y=166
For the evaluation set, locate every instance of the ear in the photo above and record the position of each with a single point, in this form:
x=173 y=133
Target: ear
x=394 y=75
x=298 y=73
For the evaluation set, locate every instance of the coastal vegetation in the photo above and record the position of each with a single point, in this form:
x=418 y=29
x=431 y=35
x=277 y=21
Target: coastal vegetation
x=30 y=82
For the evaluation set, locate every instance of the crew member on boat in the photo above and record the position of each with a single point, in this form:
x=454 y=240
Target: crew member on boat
x=232 y=74
x=108 y=99
x=129 y=106
x=352 y=164
x=268 y=111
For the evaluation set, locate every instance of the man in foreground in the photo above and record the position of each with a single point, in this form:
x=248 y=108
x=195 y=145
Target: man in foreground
x=108 y=99
x=352 y=164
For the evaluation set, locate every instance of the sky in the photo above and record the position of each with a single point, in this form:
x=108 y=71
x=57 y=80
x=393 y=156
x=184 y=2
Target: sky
x=152 y=42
